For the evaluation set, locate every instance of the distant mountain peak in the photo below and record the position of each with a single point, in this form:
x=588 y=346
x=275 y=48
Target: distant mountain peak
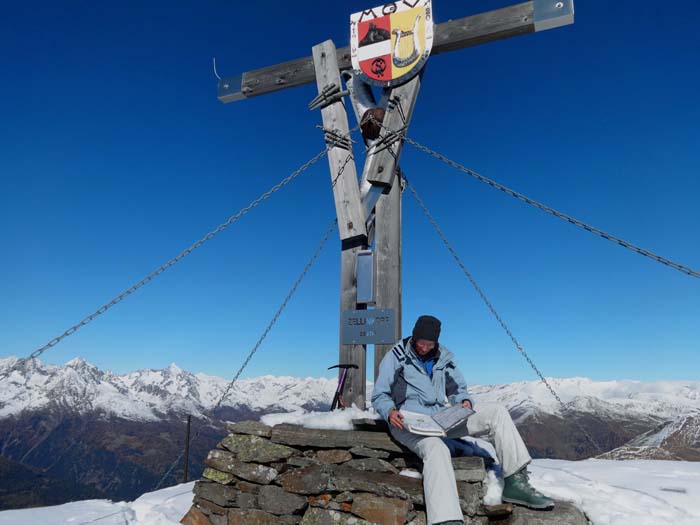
x=174 y=369
x=149 y=394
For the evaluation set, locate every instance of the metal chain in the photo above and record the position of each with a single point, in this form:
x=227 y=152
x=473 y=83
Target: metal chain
x=168 y=264
x=259 y=341
x=342 y=169
x=646 y=253
x=393 y=136
x=489 y=305
x=332 y=226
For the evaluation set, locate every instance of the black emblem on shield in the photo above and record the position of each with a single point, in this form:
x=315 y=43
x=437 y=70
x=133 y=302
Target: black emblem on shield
x=374 y=34
x=379 y=66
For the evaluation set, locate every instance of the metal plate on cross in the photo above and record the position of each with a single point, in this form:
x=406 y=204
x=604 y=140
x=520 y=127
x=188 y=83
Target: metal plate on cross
x=368 y=327
x=389 y=44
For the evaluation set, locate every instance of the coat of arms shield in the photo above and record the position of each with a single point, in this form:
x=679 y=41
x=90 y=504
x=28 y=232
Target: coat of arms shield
x=389 y=44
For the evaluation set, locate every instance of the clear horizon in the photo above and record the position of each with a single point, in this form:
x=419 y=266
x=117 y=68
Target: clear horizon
x=117 y=155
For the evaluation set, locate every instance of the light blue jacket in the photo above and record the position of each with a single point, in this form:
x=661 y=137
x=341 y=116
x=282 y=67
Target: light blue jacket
x=403 y=382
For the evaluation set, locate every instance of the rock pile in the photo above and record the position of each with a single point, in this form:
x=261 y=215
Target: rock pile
x=288 y=475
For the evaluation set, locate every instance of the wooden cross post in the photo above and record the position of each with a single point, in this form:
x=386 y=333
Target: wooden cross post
x=348 y=207
x=353 y=211
x=381 y=189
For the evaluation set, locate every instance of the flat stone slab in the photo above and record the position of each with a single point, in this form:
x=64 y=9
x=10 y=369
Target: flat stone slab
x=372 y=465
x=296 y=435
x=334 y=455
x=253 y=428
x=256 y=449
x=564 y=513
x=301 y=461
x=208 y=507
x=470 y=469
x=195 y=517
x=327 y=501
x=470 y=495
x=225 y=478
x=223 y=495
x=227 y=463
x=321 y=479
x=497 y=511
x=275 y=500
x=252 y=517
x=318 y=516
x=387 y=511
x=369 y=453
x=373 y=425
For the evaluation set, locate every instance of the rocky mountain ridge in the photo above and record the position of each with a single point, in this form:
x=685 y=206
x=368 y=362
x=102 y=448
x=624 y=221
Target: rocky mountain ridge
x=151 y=395
x=678 y=439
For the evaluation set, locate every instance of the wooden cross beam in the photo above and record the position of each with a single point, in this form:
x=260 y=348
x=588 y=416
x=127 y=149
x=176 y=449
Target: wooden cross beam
x=515 y=20
x=381 y=196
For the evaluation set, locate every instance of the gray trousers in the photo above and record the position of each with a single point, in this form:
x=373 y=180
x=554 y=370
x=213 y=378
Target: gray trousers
x=491 y=422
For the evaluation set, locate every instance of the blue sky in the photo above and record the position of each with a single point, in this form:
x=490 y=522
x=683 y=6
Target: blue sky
x=115 y=154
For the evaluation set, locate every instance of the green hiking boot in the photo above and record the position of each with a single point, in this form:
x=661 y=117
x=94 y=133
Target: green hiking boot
x=517 y=489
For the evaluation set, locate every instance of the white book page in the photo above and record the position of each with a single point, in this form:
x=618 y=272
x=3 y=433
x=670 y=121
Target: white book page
x=421 y=424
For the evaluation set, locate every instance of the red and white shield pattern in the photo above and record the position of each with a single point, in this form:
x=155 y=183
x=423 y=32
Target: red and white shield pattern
x=389 y=44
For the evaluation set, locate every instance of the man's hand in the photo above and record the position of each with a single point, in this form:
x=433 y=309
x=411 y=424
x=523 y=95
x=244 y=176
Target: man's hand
x=396 y=419
x=467 y=404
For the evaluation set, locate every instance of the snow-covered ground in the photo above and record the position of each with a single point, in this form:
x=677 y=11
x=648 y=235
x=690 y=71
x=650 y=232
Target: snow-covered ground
x=637 y=492
x=163 y=507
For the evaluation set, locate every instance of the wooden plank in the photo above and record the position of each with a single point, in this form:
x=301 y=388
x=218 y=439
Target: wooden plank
x=464 y=32
x=346 y=191
x=356 y=382
x=381 y=163
x=388 y=253
x=351 y=222
x=470 y=31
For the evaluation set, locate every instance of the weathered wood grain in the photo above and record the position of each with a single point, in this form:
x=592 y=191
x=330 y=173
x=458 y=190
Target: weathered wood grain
x=456 y=34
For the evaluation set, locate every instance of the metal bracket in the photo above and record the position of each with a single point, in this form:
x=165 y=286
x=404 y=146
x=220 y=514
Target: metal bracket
x=335 y=139
x=366 y=277
x=553 y=13
x=388 y=140
x=328 y=95
x=231 y=89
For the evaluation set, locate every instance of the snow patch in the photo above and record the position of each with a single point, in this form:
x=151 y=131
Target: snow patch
x=494 y=488
x=338 y=419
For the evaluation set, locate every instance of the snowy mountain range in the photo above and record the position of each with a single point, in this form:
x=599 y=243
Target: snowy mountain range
x=75 y=431
x=151 y=395
x=676 y=440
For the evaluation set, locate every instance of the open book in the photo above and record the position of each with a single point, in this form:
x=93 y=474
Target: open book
x=448 y=420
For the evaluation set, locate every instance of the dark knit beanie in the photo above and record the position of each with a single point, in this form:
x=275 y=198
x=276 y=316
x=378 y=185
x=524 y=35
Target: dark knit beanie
x=427 y=327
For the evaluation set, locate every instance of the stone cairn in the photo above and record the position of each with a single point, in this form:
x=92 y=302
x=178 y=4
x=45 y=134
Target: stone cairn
x=288 y=475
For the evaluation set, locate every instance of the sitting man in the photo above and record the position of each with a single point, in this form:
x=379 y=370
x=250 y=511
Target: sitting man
x=420 y=375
